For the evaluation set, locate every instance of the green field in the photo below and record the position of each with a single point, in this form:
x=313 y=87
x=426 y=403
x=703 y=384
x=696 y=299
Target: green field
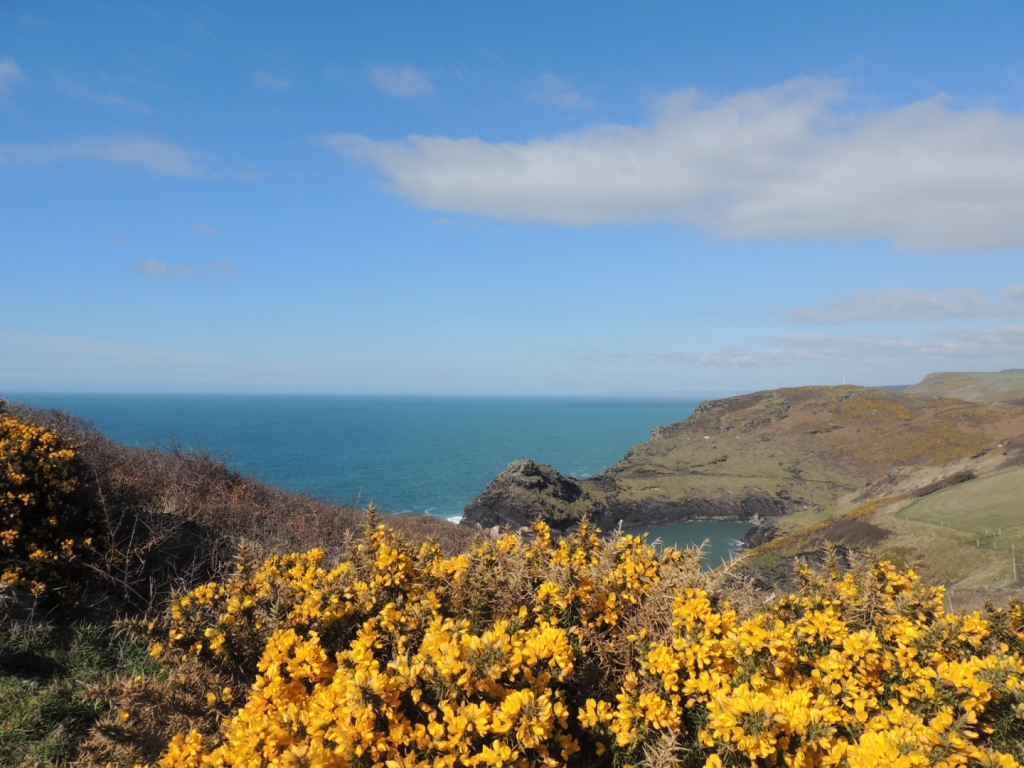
x=988 y=504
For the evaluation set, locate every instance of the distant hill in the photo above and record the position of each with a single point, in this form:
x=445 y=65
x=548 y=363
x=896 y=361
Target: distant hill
x=996 y=387
x=767 y=454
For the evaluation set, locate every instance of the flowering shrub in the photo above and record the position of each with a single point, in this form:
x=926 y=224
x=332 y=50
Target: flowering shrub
x=590 y=652
x=43 y=524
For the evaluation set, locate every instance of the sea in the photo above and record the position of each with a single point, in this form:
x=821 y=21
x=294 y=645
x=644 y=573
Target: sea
x=423 y=455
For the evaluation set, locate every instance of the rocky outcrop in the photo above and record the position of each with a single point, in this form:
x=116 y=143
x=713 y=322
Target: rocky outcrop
x=525 y=491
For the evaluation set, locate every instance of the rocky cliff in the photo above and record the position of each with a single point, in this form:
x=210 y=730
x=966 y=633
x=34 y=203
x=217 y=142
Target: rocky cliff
x=764 y=454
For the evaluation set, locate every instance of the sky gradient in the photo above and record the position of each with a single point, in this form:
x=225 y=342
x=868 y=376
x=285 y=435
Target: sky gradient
x=531 y=198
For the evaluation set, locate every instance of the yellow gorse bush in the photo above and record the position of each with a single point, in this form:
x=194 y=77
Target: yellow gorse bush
x=537 y=652
x=43 y=528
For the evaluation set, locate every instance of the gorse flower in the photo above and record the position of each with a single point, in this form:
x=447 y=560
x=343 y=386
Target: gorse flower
x=537 y=652
x=43 y=524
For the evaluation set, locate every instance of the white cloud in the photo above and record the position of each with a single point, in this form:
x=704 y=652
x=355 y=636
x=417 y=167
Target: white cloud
x=550 y=89
x=10 y=73
x=152 y=154
x=401 y=81
x=910 y=304
x=205 y=229
x=269 y=82
x=950 y=347
x=79 y=91
x=155 y=268
x=782 y=163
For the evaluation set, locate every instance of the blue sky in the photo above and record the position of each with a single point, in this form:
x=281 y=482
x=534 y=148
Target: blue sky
x=529 y=198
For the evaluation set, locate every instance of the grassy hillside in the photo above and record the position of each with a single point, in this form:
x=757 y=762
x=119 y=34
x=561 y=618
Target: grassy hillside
x=982 y=507
x=994 y=387
x=811 y=444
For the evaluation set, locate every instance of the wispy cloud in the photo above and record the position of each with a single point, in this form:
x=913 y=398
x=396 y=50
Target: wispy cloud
x=41 y=357
x=221 y=268
x=205 y=229
x=153 y=154
x=155 y=268
x=401 y=81
x=910 y=304
x=789 y=162
x=551 y=89
x=952 y=347
x=269 y=82
x=10 y=73
x=79 y=91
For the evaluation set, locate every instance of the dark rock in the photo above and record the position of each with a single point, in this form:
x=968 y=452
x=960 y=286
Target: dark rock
x=759 y=534
x=525 y=491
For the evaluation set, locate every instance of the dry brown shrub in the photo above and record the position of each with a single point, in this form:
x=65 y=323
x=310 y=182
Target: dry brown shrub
x=174 y=518
x=147 y=711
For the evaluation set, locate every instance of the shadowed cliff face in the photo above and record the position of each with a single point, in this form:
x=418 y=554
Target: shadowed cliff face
x=766 y=454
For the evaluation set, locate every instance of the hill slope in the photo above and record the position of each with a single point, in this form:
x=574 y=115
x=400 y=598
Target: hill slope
x=765 y=454
x=968 y=536
x=997 y=387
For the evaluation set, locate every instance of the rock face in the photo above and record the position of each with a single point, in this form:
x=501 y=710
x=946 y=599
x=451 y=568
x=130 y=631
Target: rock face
x=526 y=490
x=765 y=454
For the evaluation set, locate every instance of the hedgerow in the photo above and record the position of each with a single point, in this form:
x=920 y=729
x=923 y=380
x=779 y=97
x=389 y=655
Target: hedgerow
x=588 y=651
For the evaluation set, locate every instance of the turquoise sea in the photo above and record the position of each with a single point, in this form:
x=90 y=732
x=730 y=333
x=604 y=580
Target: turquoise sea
x=428 y=455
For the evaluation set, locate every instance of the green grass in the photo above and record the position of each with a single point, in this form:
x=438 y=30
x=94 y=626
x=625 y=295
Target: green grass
x=990 y=503
x=45 y=672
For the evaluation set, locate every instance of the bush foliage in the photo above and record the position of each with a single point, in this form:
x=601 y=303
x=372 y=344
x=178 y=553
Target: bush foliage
x=586 y=651
x=44 y=525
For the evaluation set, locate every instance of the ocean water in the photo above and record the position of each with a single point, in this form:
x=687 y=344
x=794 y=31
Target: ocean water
x=720 y=538
x=428 y=455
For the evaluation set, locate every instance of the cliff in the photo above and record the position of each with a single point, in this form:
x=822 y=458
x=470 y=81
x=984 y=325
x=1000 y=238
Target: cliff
x=767 y=453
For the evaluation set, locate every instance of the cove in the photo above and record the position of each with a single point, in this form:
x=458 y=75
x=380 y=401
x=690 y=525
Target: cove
x=723 y=537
